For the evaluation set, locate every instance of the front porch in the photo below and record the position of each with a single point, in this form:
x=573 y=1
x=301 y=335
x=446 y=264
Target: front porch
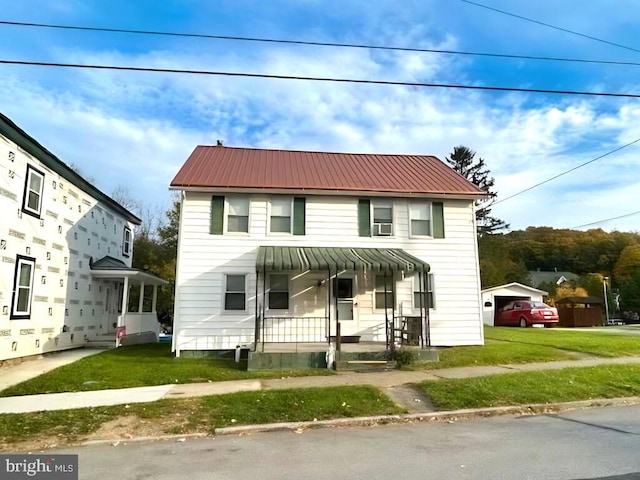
x=340 y=296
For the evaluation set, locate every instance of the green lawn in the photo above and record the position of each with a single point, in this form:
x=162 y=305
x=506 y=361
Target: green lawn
x=142 y=365
x=546 y=386
x=593 y=343
x=203 y=414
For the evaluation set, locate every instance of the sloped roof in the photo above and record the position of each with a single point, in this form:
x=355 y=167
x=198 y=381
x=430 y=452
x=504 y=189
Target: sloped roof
x=21 y=138
x=108 y=263
x=538 y=277
x=516 y=284
x=226 y=167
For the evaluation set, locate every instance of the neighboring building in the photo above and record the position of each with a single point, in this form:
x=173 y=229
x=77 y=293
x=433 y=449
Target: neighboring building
x=494 y=298
x=558 y=278
x=65 y=250
x=279 y=246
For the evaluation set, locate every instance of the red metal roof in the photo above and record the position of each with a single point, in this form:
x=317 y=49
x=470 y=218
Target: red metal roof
x=228 y=167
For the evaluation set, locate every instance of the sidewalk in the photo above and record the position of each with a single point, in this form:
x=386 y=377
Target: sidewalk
x=385 y=380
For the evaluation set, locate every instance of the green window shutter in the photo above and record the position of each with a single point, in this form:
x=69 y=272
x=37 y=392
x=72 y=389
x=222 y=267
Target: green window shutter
x=364 y=217
x=299 y=215
x=217 y=216
x=438 y=219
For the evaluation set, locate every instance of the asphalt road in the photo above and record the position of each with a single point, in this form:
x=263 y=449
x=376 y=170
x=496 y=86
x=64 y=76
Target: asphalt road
x=593 y=443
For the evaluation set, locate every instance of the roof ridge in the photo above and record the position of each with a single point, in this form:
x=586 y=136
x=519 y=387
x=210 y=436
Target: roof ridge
x=324 y=152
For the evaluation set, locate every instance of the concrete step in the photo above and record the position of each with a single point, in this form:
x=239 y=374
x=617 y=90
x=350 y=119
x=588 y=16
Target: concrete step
x=100 y=344
x=365 y=365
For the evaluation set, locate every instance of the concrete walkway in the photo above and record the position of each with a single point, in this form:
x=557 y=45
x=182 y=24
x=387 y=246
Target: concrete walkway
x=386 y=380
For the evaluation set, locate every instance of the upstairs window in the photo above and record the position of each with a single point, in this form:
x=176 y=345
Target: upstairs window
x=382 y=219
x=375 y=218
x=287 y=215
x=235 y=293
x=34 y=184
x=126 y=242
x=426 y=219
x=278 y=292
x=280 y=219
x=22 y=287
x=238 y=214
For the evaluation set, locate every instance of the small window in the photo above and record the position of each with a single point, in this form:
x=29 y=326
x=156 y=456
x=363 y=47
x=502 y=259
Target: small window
x=380 y=292
x=238 y=214
x=280 y=220
x=382 y=219
x=420 y=216
x=126 y=242
x=23 y=287
x=278 y=292
x=418 y=297
x=34 y=184
x=235 y=292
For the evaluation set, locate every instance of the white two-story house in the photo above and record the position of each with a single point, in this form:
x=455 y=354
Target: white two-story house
x=288 y=246
x=65 y=256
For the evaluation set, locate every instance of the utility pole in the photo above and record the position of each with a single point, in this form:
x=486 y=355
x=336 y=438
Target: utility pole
x=606 y=302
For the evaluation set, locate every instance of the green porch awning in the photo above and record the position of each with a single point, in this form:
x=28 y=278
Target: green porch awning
x=278 y=258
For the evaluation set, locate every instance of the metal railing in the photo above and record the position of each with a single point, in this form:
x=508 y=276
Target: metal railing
x=294 y=329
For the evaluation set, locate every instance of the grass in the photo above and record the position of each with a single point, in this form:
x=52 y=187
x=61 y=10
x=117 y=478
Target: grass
x=547 y=386
x=596 y=343
x=142 y=365
x=204 y=414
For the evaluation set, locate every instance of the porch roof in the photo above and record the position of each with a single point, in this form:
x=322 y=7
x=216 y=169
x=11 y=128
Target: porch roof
x=112 y=268
x=281 y=258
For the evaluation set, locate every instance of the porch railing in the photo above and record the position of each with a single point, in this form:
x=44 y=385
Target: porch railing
x=294 y=329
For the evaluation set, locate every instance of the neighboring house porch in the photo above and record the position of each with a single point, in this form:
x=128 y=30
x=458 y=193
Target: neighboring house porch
x=131 y=299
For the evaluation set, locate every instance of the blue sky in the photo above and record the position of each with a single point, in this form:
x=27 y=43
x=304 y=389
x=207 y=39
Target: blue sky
x=134 y=130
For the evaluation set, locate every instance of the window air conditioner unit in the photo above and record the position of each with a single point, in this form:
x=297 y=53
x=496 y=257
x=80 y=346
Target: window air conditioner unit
x=382 y=229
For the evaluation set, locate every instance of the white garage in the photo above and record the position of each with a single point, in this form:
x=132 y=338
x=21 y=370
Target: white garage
x=495 y=298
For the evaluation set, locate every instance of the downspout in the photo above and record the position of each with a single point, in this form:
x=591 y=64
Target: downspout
x=421 y=309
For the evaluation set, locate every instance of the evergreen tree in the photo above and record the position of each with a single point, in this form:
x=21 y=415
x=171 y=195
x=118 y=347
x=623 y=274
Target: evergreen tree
x=463 y=161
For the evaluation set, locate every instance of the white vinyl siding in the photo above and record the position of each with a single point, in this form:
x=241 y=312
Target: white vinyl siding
x=331 y=221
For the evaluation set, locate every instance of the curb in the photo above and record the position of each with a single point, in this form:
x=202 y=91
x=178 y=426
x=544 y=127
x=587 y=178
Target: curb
x=447 y=416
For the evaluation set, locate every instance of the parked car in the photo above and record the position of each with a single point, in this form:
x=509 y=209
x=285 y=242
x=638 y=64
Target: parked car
x=524 y=313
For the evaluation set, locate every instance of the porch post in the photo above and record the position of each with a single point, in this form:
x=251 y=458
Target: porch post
x=154 y=300
x=141 y=299
x=264 y=297
x=335 y=299
x=257 y=327
x=427 y=306
x=327 y=307
x=125 y=300
x=421 y=308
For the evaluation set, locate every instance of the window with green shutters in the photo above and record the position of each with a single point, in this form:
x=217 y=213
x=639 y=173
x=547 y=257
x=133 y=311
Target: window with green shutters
x=364 y=217
x=426 y=219
x=287 y=215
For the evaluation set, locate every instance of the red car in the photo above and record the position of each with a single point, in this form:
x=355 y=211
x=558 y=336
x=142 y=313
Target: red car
x=526 y=313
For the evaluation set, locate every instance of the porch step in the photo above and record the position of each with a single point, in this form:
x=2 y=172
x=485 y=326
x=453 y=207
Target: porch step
x=365 y=365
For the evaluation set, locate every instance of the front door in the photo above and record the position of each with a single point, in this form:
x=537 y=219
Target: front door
x=112 y=305
x=344 y=294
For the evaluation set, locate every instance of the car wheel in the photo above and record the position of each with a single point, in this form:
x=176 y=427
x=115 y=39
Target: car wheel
x=523 y=322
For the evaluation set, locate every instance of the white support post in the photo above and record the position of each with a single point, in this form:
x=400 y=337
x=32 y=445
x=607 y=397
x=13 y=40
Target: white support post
x=125 y=300
x=141 y=299
x=154 y=301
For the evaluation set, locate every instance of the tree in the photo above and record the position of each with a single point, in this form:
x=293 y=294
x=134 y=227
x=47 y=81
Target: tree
x=463 y=161
x=628 y=264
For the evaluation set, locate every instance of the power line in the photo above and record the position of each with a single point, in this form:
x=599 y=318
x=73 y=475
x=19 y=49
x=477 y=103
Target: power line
x=607 y=220
x=320 y=79
x=550 y=26
x=564 y=173
x=322 y=44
